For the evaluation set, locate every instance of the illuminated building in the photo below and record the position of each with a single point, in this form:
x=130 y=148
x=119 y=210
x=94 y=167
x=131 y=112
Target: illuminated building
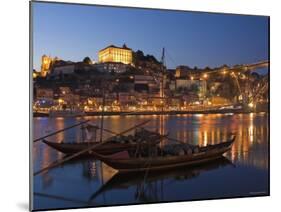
x=186 y=83
x=217 y=100
x=116 y=54
x=202 y=89
x=46 y=94
x=193 y=84
x=46 y=62
x=116 y=67
x=182 y=71
x=35 y=74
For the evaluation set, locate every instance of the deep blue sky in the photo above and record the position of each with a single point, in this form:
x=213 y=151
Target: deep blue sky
x=73 y=32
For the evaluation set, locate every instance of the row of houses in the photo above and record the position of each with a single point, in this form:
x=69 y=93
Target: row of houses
x=49 y=97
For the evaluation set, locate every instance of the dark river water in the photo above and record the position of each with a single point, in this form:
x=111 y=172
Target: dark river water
x=88 y=182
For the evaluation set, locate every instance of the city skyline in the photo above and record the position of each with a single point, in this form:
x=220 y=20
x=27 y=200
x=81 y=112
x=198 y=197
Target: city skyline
x=190 y=109
x=71 y=32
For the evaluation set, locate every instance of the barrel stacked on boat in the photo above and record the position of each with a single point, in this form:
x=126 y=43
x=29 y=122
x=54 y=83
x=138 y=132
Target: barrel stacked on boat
x=142 y=139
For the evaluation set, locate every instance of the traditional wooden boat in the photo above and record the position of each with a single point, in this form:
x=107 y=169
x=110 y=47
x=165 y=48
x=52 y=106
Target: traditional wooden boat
x=124 y=162
x=117 y=144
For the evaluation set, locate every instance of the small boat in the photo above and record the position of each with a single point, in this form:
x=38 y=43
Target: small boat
x=124 y=162
x=116 y=144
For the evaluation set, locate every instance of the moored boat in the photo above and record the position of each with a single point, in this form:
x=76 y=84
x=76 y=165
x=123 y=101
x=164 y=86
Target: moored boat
x=142 y=140
x=124 y=162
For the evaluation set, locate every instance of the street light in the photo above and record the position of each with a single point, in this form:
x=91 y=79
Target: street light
x=205 y=76
x=251 y=105
x=60 y=101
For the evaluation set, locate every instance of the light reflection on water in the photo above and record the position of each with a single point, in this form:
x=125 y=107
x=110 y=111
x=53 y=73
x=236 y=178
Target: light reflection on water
x=80 y=179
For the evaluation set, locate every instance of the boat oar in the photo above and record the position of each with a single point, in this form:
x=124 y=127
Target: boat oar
x=61 y=130
x=115 y=133
x=59 y=162
x=107 y=130
x=103 y=188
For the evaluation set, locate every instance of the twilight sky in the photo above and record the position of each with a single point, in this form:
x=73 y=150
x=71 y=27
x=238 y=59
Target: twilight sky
x=73 y=32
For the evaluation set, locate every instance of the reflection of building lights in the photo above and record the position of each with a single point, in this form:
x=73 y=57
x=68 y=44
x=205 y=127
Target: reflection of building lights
x=205 y=141
x=251 y=133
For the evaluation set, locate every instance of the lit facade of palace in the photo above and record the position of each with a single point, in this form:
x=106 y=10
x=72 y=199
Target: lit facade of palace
x=116 y=54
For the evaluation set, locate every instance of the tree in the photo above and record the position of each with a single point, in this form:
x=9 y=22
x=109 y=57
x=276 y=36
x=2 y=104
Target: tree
x=87 y=60
x=225 y=66
x=207 y=68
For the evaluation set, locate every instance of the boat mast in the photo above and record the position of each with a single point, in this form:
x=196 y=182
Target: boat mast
x=102 y=113
x=162 y=94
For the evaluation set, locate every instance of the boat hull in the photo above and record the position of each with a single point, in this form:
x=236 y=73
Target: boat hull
x=169 y=162
x=104 y=149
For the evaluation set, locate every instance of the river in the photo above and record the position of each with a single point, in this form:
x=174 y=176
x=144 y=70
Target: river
x=88 y=182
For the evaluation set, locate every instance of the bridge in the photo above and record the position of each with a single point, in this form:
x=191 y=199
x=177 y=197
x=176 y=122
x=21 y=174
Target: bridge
x=251 y=92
